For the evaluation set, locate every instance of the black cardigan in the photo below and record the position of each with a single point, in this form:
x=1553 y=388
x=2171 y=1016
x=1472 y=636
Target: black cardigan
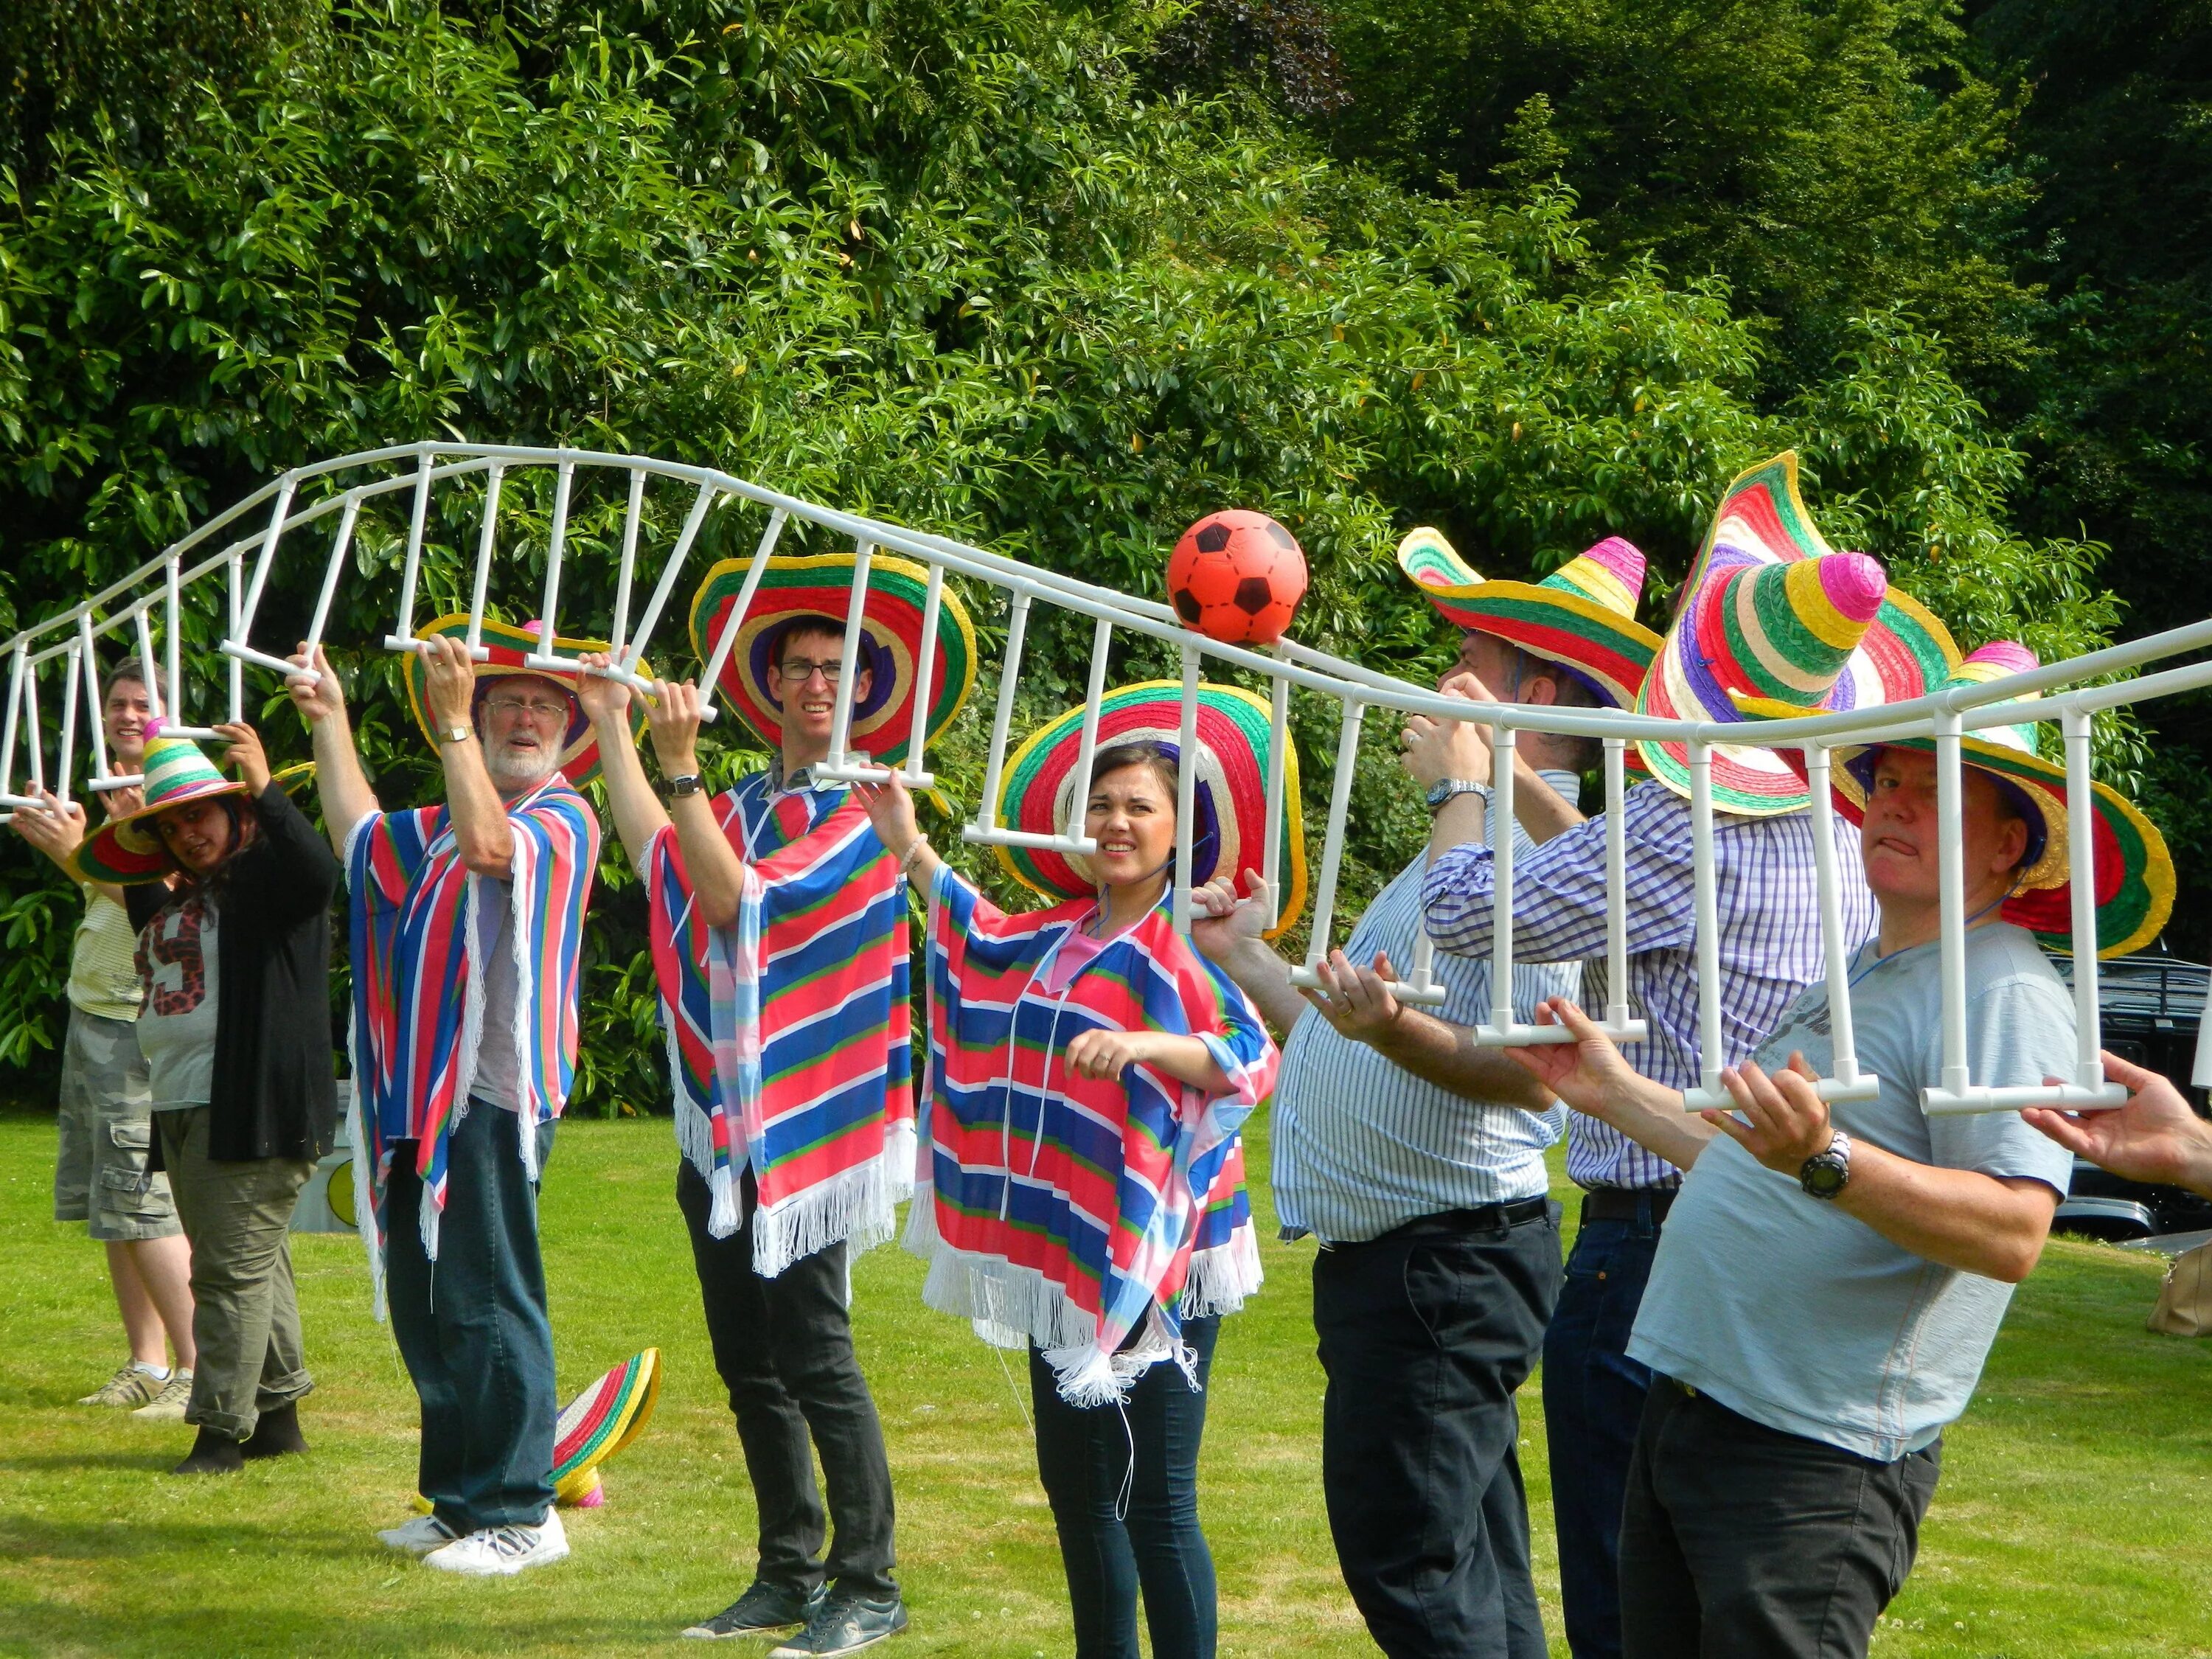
x=273 y=1093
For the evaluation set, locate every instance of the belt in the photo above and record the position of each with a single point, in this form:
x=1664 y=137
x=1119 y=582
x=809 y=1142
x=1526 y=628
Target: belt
x=1624 y=1203
x=1483 y=1218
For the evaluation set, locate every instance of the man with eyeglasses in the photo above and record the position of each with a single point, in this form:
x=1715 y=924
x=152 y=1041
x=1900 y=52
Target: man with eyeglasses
x=467 y=922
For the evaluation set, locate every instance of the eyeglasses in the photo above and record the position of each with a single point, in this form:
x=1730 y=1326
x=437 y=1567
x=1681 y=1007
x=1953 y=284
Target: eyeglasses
x=797 y=671
x=536 y=708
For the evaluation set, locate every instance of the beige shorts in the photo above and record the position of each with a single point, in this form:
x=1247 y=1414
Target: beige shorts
x=107 y=1133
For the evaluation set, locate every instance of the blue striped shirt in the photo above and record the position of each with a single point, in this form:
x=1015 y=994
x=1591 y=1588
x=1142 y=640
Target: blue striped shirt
x=1770 y=928
x=1363 y=1145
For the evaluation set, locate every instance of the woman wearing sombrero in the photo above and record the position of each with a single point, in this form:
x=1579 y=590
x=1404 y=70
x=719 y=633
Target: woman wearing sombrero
x=234 y=956
x=1831 y=1281
x=1088 y=1074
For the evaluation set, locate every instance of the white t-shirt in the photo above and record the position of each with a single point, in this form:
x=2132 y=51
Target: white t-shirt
x=176 y=1027
x=499 y=1060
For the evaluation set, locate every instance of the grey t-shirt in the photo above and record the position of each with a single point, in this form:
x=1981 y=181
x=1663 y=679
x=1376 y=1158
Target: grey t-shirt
x=498 y=1058
x=176 y=1026
x=1800 y=1317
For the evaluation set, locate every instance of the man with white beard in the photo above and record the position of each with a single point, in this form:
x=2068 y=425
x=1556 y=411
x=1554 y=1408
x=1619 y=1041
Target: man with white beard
x=466 y=923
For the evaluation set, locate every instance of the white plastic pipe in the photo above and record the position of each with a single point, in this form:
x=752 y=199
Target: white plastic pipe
x=1278 y=762
x=487 y=538
x=241 y=624
x=713 y=676
x=237 y=631
x=916 y=774
x=1503 y=752
x=620 y=635
x=2082 y=869
x=849 y=657
x=1086 y=744
x=70 y=698
x=1951 y=890
x=1186 y=783
x=1712 y=1056
x=19 y=670
x=1332 y=852
x=404 y=638
x=34 y=748
x=1619 y=1018
x=174 y=642
x=146 y=663
x=90 y=657
x=986 y=826
x=546 y=656
x=635 y=651
x=1844 y=1080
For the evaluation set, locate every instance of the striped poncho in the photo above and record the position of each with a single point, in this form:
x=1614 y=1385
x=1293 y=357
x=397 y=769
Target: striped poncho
x=418 y=984
x=789 y=1032
x=1074 y=1212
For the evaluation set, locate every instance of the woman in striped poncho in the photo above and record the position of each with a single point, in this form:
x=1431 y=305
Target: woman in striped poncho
x=1088 y=1073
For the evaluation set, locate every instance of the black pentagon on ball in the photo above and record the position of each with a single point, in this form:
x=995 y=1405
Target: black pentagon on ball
x=1212 y=538
x=1284 y=539
x=1254 y=594
x=1187 y=606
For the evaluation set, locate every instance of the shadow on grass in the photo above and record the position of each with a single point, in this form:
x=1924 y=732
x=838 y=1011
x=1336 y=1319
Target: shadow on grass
x=23 y=1537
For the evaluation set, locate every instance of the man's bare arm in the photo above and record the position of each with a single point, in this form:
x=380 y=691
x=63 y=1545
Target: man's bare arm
x=343 y=787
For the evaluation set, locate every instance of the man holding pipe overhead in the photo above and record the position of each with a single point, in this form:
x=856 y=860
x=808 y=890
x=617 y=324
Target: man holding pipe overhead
x=1768 y=609
x=467 y=923
x=1418 y=1159
x=780 y=944
x=1832 y=1277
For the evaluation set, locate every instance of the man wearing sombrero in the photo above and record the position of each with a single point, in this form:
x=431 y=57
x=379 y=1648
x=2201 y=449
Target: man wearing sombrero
x=1832 y=1278
x=779 y=930
x=1768 y=609
x=1418 y=1159
x=466 y=926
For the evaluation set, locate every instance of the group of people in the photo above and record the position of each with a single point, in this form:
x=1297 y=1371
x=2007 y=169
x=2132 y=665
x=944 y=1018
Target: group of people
x=1768 y=1316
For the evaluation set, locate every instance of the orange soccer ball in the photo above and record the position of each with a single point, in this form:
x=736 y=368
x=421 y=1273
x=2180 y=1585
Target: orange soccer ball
x=1237 y=577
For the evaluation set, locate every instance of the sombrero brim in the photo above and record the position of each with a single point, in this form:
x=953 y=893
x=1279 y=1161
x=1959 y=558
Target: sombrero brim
x=1610 y=652
x=580 y=746
x=1234 y=731
x=127 y=851
x=601 y=1420
x=821 y=584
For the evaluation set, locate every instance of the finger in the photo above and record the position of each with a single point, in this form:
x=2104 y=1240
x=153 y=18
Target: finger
x=1383 y=970
x=1727 y=1124
x=2126 y=1072
x=1800 y=1066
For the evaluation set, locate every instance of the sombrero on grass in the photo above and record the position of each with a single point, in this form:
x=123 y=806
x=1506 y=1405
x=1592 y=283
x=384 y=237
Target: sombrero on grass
x=1583 y=616
x=2133 y=870
x=509 y=645
x=599 y=1422
x=1038 y=792
x=128 y=850
x=1772 y=612
x=821 y=584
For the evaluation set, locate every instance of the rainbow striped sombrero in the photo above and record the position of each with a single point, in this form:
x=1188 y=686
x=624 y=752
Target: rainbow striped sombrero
x=821 y=584
x=2133 y=870
x=127 y=850
x=1772 y=612
x=1583 y=616
x=509 y=645
x=1038 y=791
x=599 y=1422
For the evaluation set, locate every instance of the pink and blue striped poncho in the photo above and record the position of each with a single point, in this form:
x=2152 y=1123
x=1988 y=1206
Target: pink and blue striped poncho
x=1074 y=1212
x=789 y=1032
x=418 y=988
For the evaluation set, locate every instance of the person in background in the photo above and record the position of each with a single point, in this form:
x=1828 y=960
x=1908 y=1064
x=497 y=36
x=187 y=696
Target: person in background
x=101 y=1175
x=231 y=887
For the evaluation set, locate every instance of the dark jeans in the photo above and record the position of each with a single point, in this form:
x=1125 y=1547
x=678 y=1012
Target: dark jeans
x=784 y=1347
x=1124 y=1486
x=472 y=1328
x=1426 y=1332
x=1594 y=1397
x=1742 y=1542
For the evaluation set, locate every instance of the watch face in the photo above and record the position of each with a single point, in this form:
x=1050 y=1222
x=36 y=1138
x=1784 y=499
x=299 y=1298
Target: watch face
x=1823 y=1176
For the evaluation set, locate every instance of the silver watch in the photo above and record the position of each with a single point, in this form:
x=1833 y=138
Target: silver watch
x=1445 y=788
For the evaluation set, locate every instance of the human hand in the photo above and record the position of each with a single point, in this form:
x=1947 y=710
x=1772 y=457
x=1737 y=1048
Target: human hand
x=54 y=826
x=246 y=753
x=2155 y=1137
x=1588 y=1073
x=449 y=682
x=325 y=698
x=1789 y=1120
x=122 y=803
x=605 y=701
x=1222 y=924
x=1098 y=1052
x=1357 y=1000
x=672 y=715
x=890 y=809
x=1436 y=748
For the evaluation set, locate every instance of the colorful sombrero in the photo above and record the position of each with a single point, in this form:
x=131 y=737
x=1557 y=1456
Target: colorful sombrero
x=599 y=1422
x=1583 y=616
x=1772 y=612
x=821 y=584
x=2133 y=870
x=1038 y=792
x=509 y=645
x=128 y=850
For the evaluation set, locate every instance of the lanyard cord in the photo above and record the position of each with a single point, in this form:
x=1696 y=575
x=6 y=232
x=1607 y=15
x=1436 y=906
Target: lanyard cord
x=1881 y=960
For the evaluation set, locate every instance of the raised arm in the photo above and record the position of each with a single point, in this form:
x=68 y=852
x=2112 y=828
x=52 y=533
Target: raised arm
x=2155 y=1137
x=890 y=809
x=346 y=795
x=1590 y=1075
x=639 y=815
x=717 y=873
x=1228 y=931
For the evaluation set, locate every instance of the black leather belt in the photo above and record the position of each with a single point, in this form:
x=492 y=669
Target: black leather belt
x=1483 y=1219
x=1621 y=1203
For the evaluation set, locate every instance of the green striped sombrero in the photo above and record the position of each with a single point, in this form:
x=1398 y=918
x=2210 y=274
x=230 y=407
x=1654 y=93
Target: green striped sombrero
x=128 y=850
x=1583 y=616
x=1038 y=792
x=599 y=1422
x=821 y=586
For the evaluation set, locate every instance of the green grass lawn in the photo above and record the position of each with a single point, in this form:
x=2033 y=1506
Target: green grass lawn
x=2075 y=1501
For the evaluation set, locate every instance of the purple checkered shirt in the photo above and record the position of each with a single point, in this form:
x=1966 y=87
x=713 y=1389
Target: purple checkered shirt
x=1770 y=928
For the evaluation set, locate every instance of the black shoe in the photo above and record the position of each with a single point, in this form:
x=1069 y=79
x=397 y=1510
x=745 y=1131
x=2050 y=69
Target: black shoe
x=212 y=1453
x=845 y=1623
x=275 y=1433
x=761 y=1608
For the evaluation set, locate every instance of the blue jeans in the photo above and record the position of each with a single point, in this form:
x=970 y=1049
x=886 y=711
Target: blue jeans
x=472 y=1328
x=1124 y=1486
x=1594 y=1397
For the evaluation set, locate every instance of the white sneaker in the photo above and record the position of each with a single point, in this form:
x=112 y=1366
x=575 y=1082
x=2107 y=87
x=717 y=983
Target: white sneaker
x=501 y=1552
x=420 y=1536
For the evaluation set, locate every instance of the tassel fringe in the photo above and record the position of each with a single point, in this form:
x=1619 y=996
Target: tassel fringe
x=1220 y=1278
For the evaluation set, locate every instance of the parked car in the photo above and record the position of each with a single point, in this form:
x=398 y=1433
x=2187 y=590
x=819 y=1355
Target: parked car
x=2151 y=1006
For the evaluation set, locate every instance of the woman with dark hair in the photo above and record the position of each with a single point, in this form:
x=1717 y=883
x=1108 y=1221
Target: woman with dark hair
x=233 y=954
x=1088 y=1072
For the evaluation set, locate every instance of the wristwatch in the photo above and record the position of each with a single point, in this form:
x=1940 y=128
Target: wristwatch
x=457 y=734
x=1825 y=1175
x=689 y=784
x=1445 y=788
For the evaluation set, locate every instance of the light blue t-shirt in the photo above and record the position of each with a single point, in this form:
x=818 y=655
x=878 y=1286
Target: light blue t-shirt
x=1793 y=1312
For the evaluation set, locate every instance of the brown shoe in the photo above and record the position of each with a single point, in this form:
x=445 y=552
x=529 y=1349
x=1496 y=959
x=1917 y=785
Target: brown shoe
x=169 y=1406
x=128 y=1388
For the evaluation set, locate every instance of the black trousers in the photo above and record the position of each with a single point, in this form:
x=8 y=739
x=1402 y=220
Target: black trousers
x=1740 y=1541
x=784 y=1347
x=1425 y=1334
